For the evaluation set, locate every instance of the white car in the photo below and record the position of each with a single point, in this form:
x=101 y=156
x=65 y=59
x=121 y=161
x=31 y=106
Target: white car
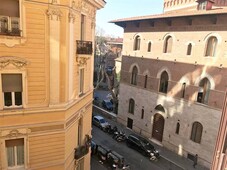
x=100 y=122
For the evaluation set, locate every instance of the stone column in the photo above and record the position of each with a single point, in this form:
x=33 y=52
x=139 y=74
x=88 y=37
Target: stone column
x=54 y=39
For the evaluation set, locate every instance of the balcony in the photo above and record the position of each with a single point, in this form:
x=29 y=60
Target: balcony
x=81 y=151
x=10 y=26
x=84 y=47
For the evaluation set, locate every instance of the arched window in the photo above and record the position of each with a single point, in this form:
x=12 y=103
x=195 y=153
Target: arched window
x=164 y=82
x=137 y=43
x=211 y=46
x=204 y=90
x=189 y=49
x=177 y=128
x=149 y=47
x=196 y=133
x=145 y=81
x=134 y=75
x=168 y=44
x=131 y=106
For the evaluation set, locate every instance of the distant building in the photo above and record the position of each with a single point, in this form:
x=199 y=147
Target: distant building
x=173 y=76
x=46 y=75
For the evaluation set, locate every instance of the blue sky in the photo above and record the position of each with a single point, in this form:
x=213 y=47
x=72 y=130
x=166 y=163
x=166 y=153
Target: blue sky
x=117 y=9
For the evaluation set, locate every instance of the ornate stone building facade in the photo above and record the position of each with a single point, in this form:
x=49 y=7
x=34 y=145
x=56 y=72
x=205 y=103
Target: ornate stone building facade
x=173 y=77
x=46 y=75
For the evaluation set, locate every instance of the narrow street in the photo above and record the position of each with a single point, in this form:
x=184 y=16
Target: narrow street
x=135 y=159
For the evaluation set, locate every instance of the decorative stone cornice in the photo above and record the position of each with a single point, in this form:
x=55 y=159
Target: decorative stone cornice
x=54 y=13
x=16 y=61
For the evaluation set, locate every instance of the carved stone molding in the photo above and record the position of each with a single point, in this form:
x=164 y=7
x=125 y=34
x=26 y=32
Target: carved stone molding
x=72 y=16
x=54 y=13
x=16 y=61
x=81 y=61
x=14 y=133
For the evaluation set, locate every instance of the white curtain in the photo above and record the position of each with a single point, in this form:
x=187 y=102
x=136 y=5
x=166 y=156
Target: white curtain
x=20 y=155
x=10 y=156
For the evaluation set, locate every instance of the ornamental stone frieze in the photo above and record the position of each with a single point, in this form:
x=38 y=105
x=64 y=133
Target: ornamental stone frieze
x=54 y=13
x=14 y=133
x=16 y=61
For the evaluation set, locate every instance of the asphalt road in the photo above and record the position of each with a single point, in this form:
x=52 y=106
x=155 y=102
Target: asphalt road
x=136 y=160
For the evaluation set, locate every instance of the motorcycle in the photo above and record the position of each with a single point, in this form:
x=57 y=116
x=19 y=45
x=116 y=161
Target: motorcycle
x=119 y=136
x=154 y=156
x=111 y=130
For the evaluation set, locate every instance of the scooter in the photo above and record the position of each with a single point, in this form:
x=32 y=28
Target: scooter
x=119 y=136
x=154 y=156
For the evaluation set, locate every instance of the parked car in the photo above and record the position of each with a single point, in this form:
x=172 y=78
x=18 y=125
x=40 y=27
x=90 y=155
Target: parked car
x=114 y=159
x=142 y=145
x=106 y=104
x=100 y=122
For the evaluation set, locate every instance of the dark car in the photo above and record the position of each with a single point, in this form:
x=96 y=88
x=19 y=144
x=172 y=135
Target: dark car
x=142 y=145
x=106 y=104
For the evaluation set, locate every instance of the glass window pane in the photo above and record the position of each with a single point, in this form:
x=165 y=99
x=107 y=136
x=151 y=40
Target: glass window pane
x=18 y=98
x=10 y=156
x=20 y=155
x=8 y=98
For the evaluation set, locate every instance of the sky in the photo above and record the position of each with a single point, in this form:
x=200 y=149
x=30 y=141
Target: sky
x=118 y=9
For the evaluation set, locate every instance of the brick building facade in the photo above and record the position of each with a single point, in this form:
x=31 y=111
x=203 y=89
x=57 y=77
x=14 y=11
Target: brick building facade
x=173 y=78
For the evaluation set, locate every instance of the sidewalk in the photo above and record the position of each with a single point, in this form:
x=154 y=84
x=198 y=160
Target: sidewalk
x=171 y=157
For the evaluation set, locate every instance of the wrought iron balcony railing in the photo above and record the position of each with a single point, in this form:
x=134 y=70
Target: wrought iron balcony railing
x=9 y=26
x=81 y=151
x=84 y=47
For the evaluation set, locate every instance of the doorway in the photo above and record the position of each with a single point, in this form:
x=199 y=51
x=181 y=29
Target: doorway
x=158 y=127
x=130 y=123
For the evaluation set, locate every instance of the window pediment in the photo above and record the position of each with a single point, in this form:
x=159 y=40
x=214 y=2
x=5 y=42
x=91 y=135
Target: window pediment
x=15 y=61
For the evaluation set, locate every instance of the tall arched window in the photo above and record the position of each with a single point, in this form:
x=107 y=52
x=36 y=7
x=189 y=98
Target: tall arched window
x=134 y=75
x=211 y=46
x=189 y=49
x=196 y=133
x=204 y=90
x=137 y=43
x=149 y=47
x=168 y=44
x=131 y=106
x=164 y=82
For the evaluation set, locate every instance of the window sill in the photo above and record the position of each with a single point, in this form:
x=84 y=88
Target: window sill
x=12 y=40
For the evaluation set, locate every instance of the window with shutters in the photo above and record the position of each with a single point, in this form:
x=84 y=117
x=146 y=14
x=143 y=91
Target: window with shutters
x=168 y=45
x=196 y=133
x=15 y=153
x=10 y=17
x=12 y=90
x=131 y=106
x=211 y=47
x=137 y=43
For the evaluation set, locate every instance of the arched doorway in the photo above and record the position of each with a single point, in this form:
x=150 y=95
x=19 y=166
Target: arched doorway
x=158 y=127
